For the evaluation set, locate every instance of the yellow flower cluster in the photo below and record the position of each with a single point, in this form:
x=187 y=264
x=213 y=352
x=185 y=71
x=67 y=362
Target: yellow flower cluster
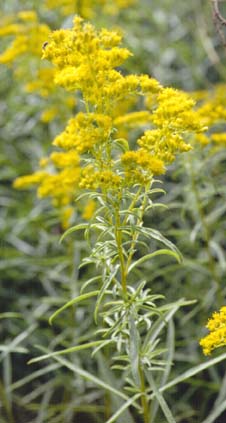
x=212 y=113
x=219 y=138
x=49 y=114
x=59 y=181
x=175 y=110
x=84 y=131
x=140 y=164
x=217 y=336
x=65 y=216
x=89 y=210
x=93 y=179
x=132 y=119
x=88 y=8
x=43 y=84
x=85 y=60
x=173 y=119
x=164 y=143
x=212 y=108
x=24 y=52
x=29 y=36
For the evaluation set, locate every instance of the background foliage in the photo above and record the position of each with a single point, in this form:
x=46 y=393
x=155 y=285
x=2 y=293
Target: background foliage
x=177 y=43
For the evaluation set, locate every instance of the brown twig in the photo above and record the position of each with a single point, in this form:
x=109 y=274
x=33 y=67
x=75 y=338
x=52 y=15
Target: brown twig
x=217 y=13
x=219 y=20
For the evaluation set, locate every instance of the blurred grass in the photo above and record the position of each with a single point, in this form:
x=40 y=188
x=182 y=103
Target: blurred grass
x=177 y=43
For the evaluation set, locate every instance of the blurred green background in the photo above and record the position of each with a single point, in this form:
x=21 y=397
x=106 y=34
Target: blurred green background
x=177 y=43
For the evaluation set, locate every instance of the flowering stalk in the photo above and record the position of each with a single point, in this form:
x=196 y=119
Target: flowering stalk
x=118 y=174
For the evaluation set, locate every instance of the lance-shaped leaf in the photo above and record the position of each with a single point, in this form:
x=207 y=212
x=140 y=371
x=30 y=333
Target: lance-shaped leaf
x=76 y=300
x=154 y=254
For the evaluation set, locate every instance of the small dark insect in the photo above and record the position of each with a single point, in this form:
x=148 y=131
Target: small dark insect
x=44 y=45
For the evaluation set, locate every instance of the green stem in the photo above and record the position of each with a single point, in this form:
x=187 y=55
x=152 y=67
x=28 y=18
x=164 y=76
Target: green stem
x=124 y=266
x=136 y=234
x=133 y=203
x=118 y=237
x=79 y=5
x=107 y=406
x=144 y=401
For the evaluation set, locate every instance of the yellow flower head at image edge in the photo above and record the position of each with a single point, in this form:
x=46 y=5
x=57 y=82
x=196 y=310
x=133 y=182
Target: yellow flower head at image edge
x=28 y=36
x=88 y=8
x=217 y=336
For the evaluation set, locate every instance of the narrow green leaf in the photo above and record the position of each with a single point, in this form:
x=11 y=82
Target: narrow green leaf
x=8 y=349
x=162 y=402
x=155 y=330
x=154 y=254
x=66 y=351
x=103 y=291
x=221 y=394
x=91 y=280
x=157 y=190
x=134 y=343
x=169 y=360
x=99 y=347
x=76 y=300
x=73 y=229
x=108 y=376
x=122 y=143
x=152 y=233
x=10 y=315
x=192 y=372
x=12 y=346
x=156 y=205
x=215 y=214
x=159 y=237
x=123 y=408
x=88 y=376
x=34 y=375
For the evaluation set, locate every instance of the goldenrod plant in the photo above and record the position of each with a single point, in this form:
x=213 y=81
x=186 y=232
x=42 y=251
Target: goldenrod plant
x=121 y=180
x=86 y=61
